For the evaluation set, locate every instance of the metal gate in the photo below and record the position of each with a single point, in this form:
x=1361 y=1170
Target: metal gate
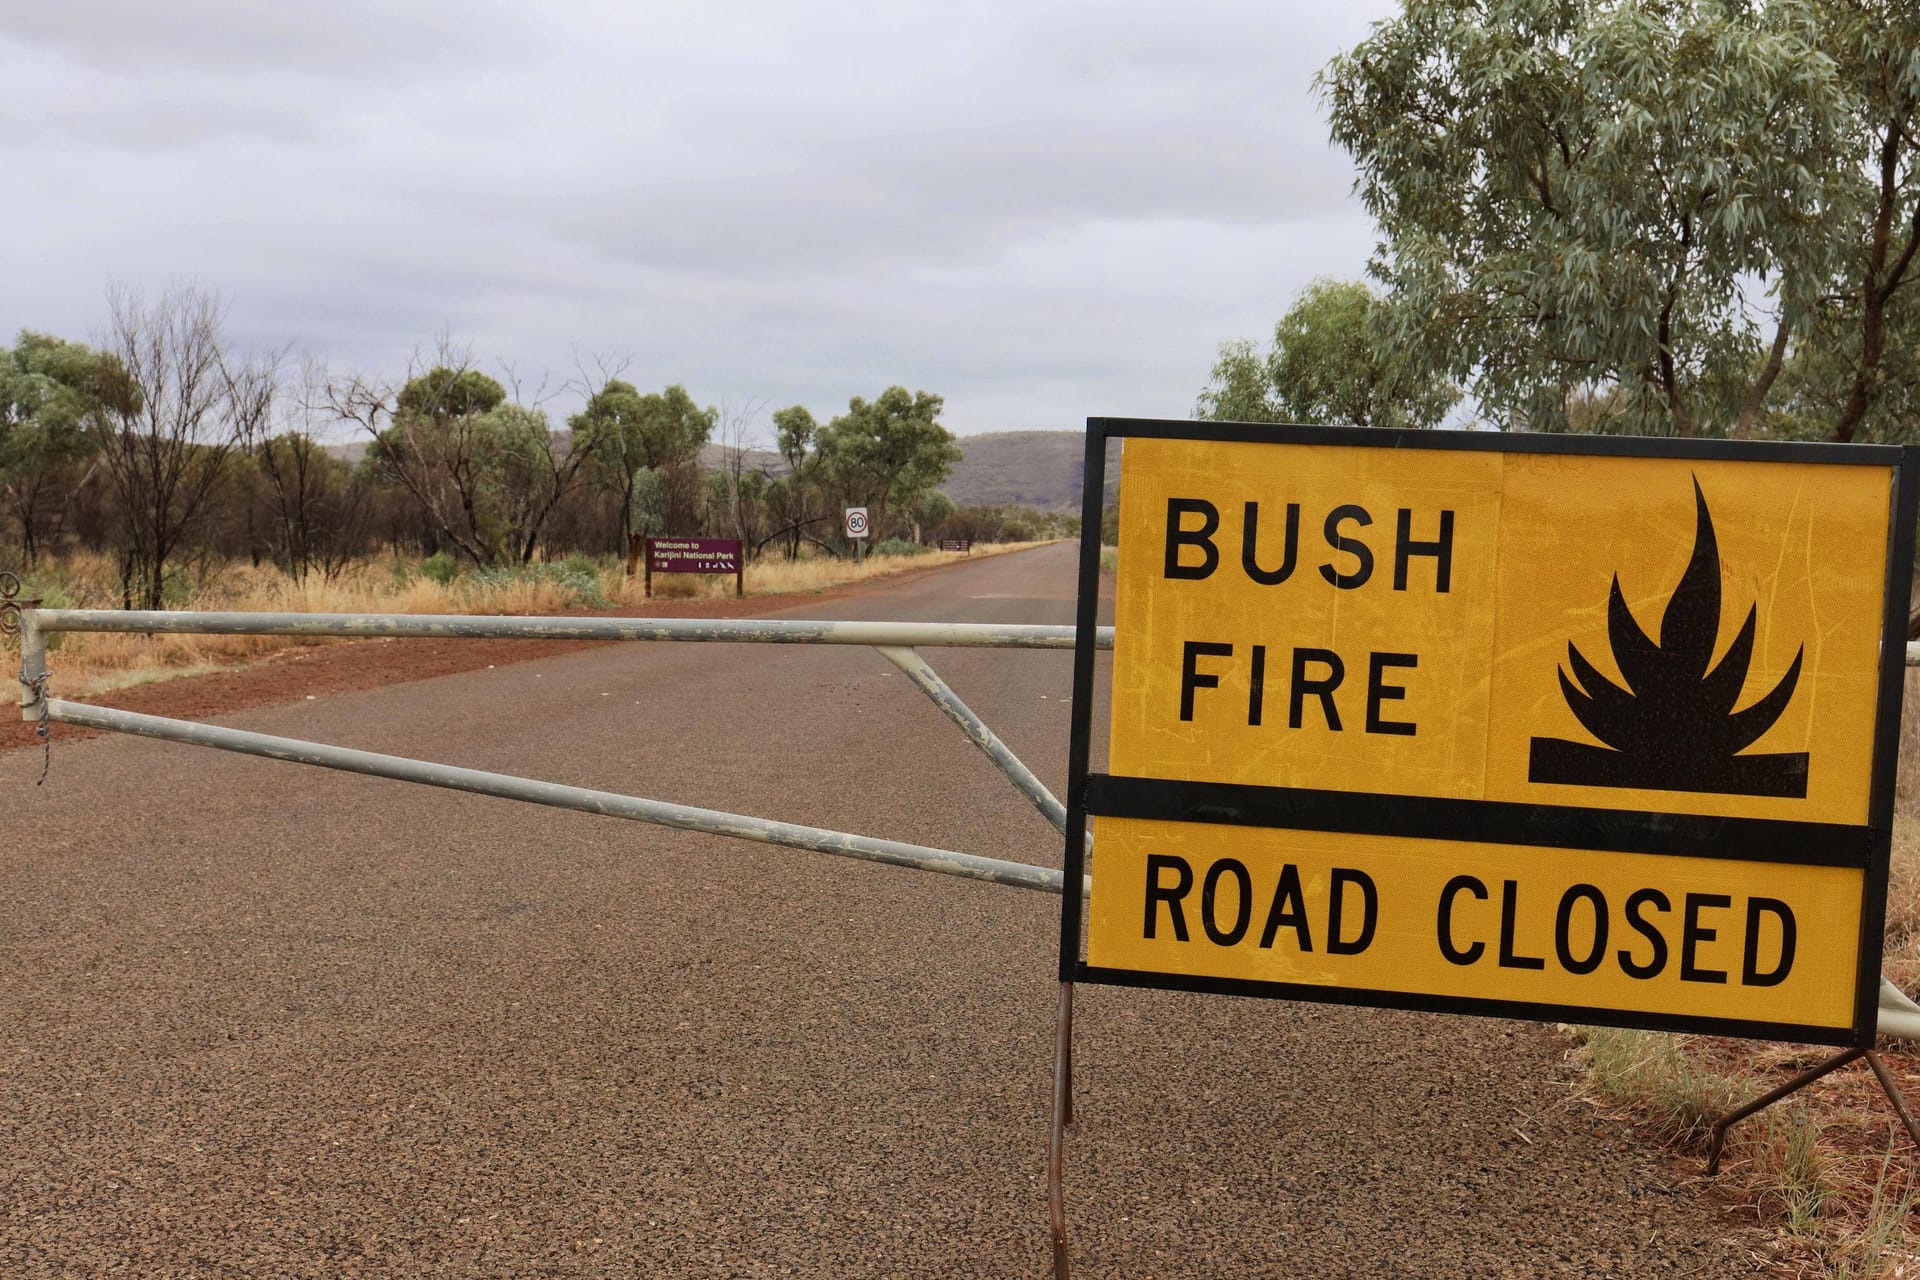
x=898 y=642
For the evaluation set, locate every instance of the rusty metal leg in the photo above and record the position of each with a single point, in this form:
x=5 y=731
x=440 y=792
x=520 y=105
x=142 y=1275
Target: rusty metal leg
x=1761 y=1103
x=1057 y=1146
x=1894 y=1095
x=1066 y=1111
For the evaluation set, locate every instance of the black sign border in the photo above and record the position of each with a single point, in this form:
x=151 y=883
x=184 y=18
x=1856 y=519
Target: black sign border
x=1651 y=833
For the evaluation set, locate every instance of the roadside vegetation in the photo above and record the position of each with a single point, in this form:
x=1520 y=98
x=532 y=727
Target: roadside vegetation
x=169 y=454
x=90 y=662
x=1830 y=1168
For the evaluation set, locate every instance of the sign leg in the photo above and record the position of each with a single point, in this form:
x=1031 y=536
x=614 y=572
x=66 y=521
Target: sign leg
x=1766 y=1100
x=1894 y=1095
x=1057 y=1146
x=1066 y=1059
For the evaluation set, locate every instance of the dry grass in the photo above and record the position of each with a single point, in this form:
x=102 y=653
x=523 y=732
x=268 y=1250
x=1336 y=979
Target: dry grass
x=87 y=663
x=1830 y=1164
x=769 y=576
x=1656 y=1076
x=1844 y=1209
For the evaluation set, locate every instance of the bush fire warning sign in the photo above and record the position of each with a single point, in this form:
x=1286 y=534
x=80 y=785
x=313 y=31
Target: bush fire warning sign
x=1560 y=727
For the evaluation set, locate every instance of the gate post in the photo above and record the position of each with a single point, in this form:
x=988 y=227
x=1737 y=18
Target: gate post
x=16 y=620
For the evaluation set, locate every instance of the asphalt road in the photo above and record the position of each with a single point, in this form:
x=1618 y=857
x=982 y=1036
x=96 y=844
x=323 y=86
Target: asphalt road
x=263 y=1020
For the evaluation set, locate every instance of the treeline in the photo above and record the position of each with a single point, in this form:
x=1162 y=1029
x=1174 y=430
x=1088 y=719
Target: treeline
x=163 y=443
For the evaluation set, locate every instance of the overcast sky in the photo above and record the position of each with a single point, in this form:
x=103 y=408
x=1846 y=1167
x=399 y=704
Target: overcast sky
x=1039 y=210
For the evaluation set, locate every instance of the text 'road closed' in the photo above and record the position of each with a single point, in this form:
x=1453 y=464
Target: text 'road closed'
x=1576 y=928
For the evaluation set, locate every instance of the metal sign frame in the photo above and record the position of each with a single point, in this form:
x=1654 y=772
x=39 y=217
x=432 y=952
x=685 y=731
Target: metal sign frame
x=1865 y=847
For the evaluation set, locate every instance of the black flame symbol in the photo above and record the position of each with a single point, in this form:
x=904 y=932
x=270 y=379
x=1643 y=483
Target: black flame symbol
x=1674 y=727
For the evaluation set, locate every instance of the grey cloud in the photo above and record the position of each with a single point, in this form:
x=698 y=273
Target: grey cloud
x=40 y=108
x=349 y=39
x=886 y=201
x=1039 y=212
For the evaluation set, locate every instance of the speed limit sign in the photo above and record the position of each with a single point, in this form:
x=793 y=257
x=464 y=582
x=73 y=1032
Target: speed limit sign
x=856 y=522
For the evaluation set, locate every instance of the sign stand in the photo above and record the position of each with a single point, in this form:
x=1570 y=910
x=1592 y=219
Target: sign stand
x=854 y=521
x=1901 y=551
x=1801 y=1081
x=1062 y=1117
x=1072 y=896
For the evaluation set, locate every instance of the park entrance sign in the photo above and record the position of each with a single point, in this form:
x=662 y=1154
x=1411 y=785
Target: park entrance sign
x=1571 y=728
x=696 y=555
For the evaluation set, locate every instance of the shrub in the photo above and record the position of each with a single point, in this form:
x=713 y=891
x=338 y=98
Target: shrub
x=575 y=575
x=900 y=547
x=441 y=568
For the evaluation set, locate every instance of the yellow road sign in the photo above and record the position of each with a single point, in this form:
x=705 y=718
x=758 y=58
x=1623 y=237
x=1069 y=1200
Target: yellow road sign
x=1486 y=672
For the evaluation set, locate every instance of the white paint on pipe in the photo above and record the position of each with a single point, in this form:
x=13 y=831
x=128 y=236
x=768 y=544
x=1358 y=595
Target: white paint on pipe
x=717 y=630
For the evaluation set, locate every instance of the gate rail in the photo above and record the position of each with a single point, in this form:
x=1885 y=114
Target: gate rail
x=898 y=642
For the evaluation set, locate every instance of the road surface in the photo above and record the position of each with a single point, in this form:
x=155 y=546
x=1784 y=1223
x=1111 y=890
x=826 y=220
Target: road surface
x=264 y=1020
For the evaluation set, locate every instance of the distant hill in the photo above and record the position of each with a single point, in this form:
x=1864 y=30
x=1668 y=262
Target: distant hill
x=1039 y=469
x=713 y=457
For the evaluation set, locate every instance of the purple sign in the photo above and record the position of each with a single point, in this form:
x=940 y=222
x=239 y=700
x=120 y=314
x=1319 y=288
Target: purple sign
x=693 y=555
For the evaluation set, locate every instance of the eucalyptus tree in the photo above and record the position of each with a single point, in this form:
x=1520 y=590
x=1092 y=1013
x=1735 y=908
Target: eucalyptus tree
x=485 y=470
x=648 y=450
x=797 y=498
x=428 y=439
x=1323 y=367
x=49 y=405
x=318 y=508
x=889 y=450
x=1642 y=211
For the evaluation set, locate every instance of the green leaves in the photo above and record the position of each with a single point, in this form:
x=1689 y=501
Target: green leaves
x=889 y=450
x=1588 y=203
x=1325 y=367
x=441 y=394
x=630 y=430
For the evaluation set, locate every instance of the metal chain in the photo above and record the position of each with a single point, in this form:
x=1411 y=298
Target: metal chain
x=43 y=730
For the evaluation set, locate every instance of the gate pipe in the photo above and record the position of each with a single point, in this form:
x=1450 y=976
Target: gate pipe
x=556 y=795
x=971 y=635
x=928 y=681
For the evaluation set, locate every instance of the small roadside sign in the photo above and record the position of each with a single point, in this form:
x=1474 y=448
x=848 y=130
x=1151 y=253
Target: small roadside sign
x=957 y=544
x=1572 y=728
x=696 y=555
x=856 y=522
